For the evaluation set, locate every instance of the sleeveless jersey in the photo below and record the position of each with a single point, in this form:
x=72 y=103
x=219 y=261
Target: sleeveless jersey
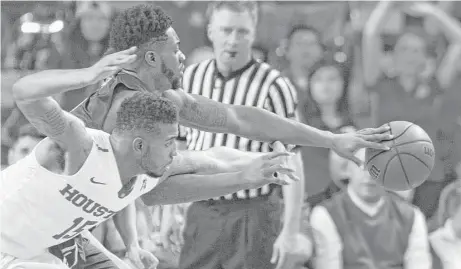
x=40 y=209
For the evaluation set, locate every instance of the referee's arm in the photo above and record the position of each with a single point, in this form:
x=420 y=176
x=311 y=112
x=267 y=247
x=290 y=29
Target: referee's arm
x=281 y=101
x=253 y=123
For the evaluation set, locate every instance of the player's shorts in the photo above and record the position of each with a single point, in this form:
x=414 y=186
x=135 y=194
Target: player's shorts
x=42 y=261
x=86 y=252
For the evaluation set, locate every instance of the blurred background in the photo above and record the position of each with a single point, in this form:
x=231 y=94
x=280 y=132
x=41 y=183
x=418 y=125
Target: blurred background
x=291 y=36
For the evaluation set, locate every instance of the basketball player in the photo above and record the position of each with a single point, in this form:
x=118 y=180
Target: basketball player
x=40 y=208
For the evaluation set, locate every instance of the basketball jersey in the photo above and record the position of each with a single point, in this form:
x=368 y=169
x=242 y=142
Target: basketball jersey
x=40 y=209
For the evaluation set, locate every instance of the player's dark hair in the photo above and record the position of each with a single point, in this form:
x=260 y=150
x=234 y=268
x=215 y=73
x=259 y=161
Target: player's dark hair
x=139 y=25
x=143 y=112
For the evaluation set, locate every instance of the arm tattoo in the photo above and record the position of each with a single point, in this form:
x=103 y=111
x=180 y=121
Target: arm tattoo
x=205 y=114
x=52 y=122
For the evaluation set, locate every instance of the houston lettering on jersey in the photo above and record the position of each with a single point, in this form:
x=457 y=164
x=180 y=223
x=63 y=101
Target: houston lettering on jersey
x=89 y=206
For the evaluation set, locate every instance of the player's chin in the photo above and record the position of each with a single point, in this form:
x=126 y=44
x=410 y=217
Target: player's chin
x=155 y=174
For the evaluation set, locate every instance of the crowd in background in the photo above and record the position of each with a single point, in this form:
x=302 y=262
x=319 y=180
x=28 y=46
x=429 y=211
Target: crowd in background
x=353 y=64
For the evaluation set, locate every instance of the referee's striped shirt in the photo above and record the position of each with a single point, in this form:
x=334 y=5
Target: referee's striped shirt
x=257 y=84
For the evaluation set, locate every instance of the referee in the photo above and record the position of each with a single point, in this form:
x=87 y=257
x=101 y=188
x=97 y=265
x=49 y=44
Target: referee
x=243 y=229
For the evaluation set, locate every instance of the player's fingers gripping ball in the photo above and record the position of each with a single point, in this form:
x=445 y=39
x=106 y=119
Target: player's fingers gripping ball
x=409 y=161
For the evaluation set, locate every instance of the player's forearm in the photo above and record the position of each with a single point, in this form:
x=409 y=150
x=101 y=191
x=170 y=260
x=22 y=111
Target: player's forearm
x=190 y=188
x=125 y=222
x=261 y=125
x=250 y=122
x=50 y=82
x=212 y=161
x=293 y=196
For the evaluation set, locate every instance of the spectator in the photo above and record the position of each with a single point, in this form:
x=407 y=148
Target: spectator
x=325 y=106
x=446 y=240
x=303 y=49
x=27 y=139
x=88 y=40
x=410 y=94
x=364 y=227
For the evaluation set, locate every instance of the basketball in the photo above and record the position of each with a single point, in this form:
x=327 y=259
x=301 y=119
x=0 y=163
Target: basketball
x=408 y=163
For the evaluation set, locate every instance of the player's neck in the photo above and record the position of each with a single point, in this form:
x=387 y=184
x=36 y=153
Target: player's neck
x=146 y=77
x=126 y=163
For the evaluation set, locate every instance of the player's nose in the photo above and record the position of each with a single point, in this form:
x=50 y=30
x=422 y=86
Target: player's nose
x=182 y=57
x=174 y=151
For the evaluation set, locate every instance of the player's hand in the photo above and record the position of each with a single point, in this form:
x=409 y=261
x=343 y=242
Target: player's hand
x=266 y=169
x=141 y=258
x=112 y=64
x=346 y=145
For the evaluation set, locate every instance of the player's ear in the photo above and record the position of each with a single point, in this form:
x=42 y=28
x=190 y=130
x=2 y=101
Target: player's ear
x=152 y=58
x=138 y=145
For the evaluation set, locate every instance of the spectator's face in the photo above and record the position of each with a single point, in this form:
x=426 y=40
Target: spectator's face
x=410 y=54
x=361 y=182
x=94 y=26
x=172 y=60
x=304 y=49
x=232 y=34
x=23 y=146
x=326 y=85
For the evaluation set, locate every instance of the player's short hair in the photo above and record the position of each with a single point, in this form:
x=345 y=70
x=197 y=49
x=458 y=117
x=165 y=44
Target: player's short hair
x=144 y=112
x=138 y=25
x=237 y=6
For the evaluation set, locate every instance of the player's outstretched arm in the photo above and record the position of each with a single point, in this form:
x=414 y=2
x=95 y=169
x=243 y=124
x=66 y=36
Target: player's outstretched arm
x=261 y=125
x=33 y=97
x=183 y=188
